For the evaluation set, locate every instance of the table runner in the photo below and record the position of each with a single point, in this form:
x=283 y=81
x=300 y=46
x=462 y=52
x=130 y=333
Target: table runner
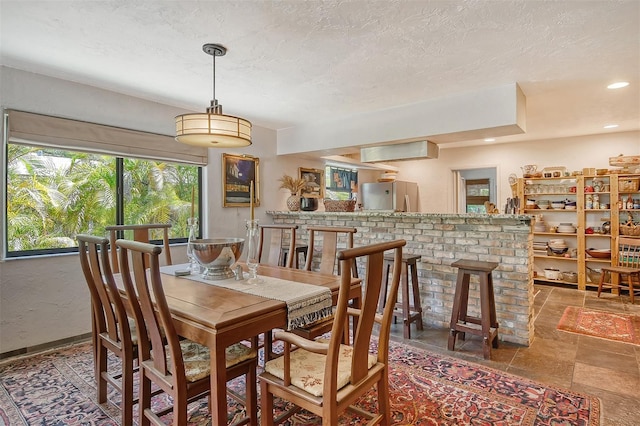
x=306 y=303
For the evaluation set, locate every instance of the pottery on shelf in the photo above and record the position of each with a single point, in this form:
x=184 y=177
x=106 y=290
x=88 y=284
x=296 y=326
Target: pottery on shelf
x=293 y=203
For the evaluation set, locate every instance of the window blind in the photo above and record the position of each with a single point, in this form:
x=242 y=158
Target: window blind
x=43 y=130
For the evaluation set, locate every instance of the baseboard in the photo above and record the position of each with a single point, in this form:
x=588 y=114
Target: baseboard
x=45 y=346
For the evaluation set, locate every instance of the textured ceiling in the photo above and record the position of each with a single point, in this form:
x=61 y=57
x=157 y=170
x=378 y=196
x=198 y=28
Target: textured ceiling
x=295 y=62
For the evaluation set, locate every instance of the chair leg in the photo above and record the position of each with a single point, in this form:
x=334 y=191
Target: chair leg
x=179 y=409
x=145 y=399
x=600 y=283
x=127 y=389
x=406 y=312
x=266 y=402
x=383 y=399
x=251 y=404
x=101 y=371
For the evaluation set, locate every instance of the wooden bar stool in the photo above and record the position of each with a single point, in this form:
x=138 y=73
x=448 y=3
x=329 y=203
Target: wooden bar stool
x=486 y=325
x=410 y=312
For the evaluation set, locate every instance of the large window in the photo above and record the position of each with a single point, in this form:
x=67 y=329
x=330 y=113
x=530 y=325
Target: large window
x=55 y=194
x=340 y=183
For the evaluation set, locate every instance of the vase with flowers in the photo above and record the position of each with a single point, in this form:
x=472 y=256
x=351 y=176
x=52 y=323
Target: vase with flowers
x=294 y=186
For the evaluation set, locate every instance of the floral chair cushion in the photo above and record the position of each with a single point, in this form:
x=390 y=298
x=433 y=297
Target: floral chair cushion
x=197 y=359
x=307 y=369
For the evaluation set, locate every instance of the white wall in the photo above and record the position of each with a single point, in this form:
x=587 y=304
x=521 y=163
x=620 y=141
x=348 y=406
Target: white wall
x=45 y=299
x=435 y=177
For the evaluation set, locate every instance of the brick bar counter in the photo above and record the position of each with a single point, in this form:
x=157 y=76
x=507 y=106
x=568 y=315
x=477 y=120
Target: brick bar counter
x=440 y=240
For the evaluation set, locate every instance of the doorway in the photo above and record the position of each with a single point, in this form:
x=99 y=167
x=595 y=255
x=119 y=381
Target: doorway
x=474 y=188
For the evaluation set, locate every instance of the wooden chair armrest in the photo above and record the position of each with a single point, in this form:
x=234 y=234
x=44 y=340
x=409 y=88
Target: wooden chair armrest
x=356 y=313
x=301 y=342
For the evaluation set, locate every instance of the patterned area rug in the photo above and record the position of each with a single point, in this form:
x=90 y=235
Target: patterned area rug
x=57 y=388
x=605 y=325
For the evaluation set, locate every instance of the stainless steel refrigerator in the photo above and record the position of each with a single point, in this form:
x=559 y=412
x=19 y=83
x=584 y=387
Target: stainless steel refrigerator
x=395 y=196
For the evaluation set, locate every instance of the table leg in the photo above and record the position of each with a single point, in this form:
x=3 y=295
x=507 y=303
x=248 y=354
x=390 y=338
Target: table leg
x=218 y=384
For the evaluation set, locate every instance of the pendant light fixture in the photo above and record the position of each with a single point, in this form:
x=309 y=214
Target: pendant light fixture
x=213 y=129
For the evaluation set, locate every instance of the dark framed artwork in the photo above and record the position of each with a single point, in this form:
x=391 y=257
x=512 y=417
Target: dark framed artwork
x=237 y=173
x=315 y=182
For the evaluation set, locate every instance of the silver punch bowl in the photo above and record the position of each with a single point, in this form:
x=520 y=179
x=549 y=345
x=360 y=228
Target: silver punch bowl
x=216 y=255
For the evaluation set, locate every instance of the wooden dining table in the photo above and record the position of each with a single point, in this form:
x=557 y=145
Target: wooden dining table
x=218 y=317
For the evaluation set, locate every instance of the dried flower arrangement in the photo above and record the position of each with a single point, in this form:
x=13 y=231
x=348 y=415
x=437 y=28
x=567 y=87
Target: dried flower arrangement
x=294 y=185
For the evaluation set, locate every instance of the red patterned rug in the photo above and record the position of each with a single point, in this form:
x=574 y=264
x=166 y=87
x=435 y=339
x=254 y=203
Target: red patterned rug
x=605 y=325
x=57 y=388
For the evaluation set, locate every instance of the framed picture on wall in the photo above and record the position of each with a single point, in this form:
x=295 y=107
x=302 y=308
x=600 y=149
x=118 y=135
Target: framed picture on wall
x=314 y=187
x=237 y=173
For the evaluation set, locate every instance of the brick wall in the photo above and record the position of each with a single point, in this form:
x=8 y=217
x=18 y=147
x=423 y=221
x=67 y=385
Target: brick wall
x=440 y=239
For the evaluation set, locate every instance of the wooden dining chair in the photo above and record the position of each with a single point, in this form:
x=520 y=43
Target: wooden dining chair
x=112 y=330
x=142 y=233
x=276 y=241
x=628 y=266
x=181 y=367
x=329 y=236
x=327 y=377
x=273 y=252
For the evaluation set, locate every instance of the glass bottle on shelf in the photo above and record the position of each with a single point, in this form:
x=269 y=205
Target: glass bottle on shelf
x=192 y=224
x=621 y=204
x=629 y=205
x=253 y=237
x=588 y=202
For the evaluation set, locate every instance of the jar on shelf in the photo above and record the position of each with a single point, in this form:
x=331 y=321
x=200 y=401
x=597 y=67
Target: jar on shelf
x=596 y=201
x=588 y=202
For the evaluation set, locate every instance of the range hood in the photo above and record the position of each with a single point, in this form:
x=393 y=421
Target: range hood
x=348 y=162
x=401 y=151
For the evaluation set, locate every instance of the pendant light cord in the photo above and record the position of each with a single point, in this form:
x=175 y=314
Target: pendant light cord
x=214 y=79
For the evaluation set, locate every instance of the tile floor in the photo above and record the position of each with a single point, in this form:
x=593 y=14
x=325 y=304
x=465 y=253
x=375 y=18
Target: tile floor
x=602 y=368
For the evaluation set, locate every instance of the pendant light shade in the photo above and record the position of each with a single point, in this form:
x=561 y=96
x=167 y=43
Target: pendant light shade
x=213 y=129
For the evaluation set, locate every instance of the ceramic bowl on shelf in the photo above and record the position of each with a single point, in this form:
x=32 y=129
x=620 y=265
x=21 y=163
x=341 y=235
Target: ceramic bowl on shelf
x=556 y=251
x=557 y=205
x=552 y=274
x=557 y=242
x=599 y=253
x=566 y=229
x=595 y=274
x=570 y=277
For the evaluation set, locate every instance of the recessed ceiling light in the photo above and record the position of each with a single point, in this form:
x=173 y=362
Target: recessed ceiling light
x=490 y=140
x=618 y=85
x=610 y=126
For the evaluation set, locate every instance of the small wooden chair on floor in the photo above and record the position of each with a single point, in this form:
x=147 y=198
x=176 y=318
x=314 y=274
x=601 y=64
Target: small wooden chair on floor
x=181 y=367
x=330 y=236
x=112 y=330
x=628 y=266
x=326 y=378
x=142 y=233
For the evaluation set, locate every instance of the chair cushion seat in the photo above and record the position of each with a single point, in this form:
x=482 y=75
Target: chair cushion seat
x=197 y=358
x=307 y=369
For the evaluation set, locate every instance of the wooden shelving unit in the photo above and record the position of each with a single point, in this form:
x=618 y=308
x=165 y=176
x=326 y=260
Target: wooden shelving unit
x=589 y=216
